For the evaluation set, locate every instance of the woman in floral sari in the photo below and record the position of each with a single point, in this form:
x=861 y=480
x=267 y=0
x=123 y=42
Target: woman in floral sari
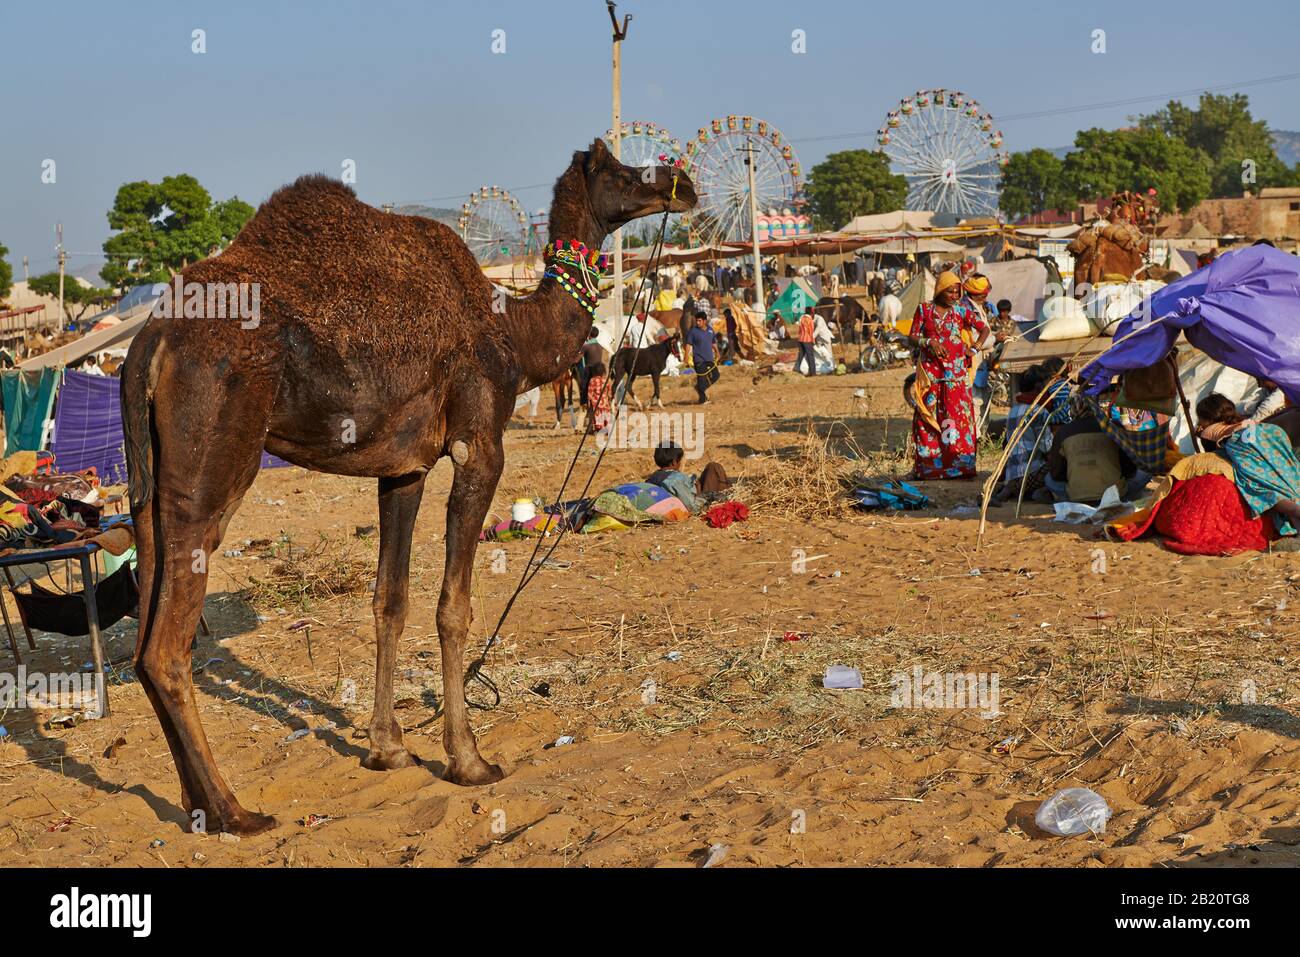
x=947 y=337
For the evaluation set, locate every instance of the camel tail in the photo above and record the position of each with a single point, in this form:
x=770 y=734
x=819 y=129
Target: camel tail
x=137 y=421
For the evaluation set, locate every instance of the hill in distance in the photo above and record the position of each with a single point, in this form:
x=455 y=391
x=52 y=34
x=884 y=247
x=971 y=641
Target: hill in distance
x=448 y=217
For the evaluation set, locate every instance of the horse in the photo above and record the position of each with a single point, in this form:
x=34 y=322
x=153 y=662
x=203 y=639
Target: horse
x=651 y=361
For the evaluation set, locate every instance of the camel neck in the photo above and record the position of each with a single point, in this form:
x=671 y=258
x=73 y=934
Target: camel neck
x=549 y=327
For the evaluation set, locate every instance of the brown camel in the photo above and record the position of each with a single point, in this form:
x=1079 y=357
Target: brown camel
x=379 y=349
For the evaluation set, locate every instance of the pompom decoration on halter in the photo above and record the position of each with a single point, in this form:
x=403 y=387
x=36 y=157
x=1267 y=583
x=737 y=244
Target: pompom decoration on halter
x=589 y=265
x=576 y=254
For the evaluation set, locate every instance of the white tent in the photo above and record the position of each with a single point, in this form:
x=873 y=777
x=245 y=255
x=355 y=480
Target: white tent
x=1023 y=281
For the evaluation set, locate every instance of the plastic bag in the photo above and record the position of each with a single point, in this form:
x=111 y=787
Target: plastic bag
x=1073 y=811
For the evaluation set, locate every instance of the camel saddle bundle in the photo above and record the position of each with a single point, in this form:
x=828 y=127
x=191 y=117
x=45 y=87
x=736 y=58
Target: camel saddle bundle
x=1154 y=388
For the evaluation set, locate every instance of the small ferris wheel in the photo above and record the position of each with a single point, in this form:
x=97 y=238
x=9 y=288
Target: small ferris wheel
x=644 y=144
x=716 y=161
x=947 y=148
x=493 y=225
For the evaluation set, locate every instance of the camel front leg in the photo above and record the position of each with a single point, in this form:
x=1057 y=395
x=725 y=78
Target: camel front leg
x=399 y=503
x=475 y=481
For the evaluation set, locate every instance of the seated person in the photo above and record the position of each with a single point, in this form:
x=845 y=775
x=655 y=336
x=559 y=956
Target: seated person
x=1035 y=442
x=693 y=492
x=1085 y=461
x=1267 y=470
x=1271 y=401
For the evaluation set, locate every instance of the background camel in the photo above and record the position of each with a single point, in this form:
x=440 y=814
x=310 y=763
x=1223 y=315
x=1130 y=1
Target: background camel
x=380 y=348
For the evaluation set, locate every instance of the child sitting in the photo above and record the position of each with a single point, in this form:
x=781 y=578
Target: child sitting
x=694 y=493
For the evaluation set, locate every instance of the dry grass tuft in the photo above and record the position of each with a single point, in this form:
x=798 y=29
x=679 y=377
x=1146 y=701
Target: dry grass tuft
x=301 y=577
x=815 y=477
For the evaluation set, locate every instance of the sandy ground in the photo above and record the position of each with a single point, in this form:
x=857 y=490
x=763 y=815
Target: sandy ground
x=1121 y=667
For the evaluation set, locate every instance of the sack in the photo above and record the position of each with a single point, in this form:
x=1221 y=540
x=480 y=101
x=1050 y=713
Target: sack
x=1063 y=318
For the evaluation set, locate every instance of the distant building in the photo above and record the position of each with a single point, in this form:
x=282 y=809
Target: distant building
x=1274 y=215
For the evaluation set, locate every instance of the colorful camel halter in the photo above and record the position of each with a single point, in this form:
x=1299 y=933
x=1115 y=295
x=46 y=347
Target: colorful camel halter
x=578 y=271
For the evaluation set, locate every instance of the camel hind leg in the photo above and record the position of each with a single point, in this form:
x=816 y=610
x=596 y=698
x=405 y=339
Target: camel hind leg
x=399 y=503
x=199 y=479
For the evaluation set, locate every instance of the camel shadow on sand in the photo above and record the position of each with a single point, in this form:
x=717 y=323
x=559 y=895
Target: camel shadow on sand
x=217 y=673
x=1261 y=717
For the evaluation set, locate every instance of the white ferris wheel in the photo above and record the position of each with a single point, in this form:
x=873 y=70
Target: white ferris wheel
x=947 y=148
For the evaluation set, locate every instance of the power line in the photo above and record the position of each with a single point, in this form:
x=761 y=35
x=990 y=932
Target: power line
x=1084 y=107
x=1009 y=118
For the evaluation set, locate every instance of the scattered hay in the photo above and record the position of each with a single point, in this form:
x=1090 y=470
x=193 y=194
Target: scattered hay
x=301 y=577
x=814 y=479
x=808 y=482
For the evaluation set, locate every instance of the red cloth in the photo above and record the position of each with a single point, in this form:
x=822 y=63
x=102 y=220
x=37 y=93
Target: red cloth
x=1206 y=516
x=724 y=513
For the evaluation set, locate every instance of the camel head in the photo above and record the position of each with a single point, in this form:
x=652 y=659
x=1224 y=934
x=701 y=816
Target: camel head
x=618 y=194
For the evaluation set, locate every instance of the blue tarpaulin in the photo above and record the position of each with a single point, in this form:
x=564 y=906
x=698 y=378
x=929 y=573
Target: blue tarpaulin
x=1242 y=310
x=88 y=427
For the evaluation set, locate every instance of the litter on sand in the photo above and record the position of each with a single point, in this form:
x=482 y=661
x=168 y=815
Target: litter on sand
x=1073 y=811
x=842 y=677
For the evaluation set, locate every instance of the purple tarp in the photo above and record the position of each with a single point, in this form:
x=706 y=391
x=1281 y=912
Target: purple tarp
x=1242 y=310
x=88 y=428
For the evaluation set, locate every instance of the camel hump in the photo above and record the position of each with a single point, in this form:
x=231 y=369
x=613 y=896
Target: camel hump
x=306 y=205
x=313 y=188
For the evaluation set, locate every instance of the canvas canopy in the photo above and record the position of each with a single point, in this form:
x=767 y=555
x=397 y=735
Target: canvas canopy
x=1241 y=310
x=1023 y=281
x=91 y=344
x=920 y=289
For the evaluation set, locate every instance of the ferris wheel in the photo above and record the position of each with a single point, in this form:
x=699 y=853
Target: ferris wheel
x=715 y=160
x=645 y=144
x=949 y=151
x=493 y=225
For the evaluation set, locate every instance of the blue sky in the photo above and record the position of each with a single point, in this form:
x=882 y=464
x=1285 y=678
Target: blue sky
x=413 y=93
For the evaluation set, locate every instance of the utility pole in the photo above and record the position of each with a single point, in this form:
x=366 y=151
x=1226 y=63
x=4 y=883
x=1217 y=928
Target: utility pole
x=63 y=258
x=620 y=34
x=759 y=298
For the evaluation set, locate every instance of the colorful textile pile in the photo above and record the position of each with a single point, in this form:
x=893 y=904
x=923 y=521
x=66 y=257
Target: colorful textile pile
x=1203 y=515
x=899 y=496
x=510 y=531
x=637 y=502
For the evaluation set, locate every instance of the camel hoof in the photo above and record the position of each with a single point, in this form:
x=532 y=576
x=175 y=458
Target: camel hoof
x=248 y=823
x=389 y=760
x=474 y=775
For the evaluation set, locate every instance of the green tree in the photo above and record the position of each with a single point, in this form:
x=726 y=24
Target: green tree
x=1107 y=161
x=76 y=297
x=853 y=183
x=1237 y=150
x=6 y=273
x=1031 y=183
x=163 y=227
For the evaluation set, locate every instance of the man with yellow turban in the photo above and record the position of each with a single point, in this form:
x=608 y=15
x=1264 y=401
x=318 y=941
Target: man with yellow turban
x=947 y=336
